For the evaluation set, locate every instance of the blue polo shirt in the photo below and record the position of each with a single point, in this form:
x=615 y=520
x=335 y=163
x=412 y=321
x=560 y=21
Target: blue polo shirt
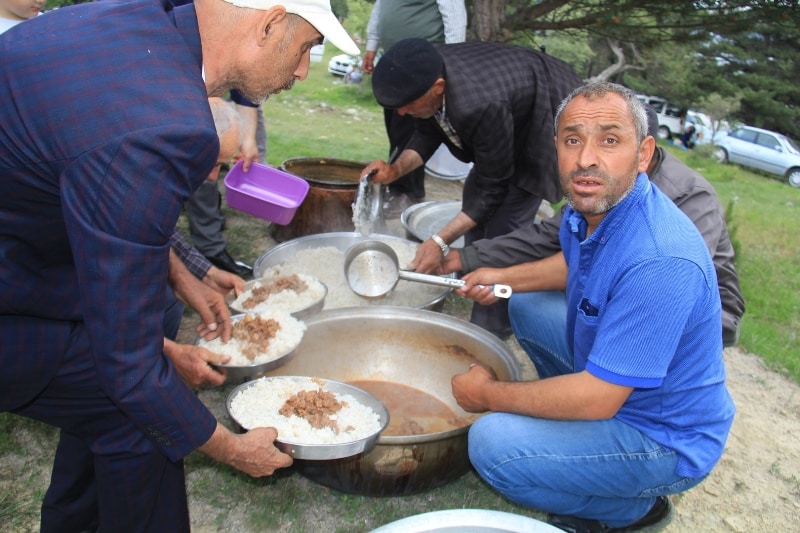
x=644 y=312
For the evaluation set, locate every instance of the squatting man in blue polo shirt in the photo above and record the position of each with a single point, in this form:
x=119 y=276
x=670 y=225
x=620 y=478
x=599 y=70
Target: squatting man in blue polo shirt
x=631 y=405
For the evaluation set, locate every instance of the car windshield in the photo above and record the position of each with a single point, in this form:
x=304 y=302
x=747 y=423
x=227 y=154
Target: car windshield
x=791 y=144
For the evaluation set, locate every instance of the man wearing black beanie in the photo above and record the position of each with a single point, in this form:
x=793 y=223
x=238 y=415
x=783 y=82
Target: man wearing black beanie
x=493 y=105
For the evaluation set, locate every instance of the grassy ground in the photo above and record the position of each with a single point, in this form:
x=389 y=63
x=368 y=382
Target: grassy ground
x=323 y=118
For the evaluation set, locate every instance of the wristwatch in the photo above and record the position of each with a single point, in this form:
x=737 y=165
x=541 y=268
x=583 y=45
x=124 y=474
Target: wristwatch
x=441 y=244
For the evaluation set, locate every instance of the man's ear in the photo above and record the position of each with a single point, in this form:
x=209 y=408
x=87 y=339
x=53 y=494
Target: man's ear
x=268 y=20
x=438 y=87
x=646 y=151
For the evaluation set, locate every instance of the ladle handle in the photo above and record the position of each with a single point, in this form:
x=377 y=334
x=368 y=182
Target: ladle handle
x=432 y=279
x=500 y=291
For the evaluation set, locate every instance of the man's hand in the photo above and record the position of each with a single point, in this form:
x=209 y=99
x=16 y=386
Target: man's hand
x=368 y=63
x=479 y=283
x=248 y=149
x=254 y=452
x=468 y=388
x=191 y=362
x=223 y=281
x=210 y=304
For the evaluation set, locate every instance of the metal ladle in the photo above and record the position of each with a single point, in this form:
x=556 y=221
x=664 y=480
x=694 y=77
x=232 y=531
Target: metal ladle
x=372 y=270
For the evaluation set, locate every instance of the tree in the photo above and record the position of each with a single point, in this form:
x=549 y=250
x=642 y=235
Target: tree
x=719 y=109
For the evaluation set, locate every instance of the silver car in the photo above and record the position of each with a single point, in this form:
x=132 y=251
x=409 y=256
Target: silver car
x=763 y=150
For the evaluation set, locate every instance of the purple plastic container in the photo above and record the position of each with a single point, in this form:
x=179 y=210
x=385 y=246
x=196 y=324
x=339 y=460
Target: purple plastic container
x=265 y=192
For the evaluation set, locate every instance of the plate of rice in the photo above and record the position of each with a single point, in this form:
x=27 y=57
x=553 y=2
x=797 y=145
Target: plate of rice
x=299 y=294
x=260 y=342
x=317 y=419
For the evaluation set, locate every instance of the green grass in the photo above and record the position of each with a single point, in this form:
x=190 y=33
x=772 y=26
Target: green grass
x=321 y=117
x=763 y=213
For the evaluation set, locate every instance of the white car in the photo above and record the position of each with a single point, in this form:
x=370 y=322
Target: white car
x=763 y=150
x=338 y=65
x=670 y=120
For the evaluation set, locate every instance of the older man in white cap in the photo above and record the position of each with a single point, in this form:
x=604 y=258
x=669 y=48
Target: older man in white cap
x=105 y=130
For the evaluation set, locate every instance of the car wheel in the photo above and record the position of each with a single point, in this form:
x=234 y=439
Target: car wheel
x=793 y=177
x=664 y=133
x=721 y=155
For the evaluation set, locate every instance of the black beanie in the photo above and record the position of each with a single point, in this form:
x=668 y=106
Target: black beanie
x=405 y=72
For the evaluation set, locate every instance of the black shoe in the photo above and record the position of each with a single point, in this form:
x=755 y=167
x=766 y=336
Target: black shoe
x=657 y=518
x=224 y=261
x=395 y=204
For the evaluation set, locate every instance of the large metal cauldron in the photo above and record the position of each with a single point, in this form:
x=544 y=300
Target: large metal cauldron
x=333 y=184
x=406 y=293
x=414 y=347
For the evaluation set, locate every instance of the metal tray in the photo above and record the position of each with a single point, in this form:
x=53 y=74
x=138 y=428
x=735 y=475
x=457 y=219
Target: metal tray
x=424 y=219
x=323 y=452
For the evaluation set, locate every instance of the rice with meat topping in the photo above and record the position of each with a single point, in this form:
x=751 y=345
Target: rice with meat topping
x=259 y=404
x=287 y=338
x=290 y=297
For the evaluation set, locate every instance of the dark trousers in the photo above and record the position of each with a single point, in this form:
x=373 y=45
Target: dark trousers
x=97 y=485
x=518 y=209
x=400 y=128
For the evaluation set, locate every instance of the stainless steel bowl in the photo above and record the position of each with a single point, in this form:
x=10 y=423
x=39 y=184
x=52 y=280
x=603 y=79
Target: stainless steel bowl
x=323 y=452
x=467 y=520
x=430 y=297
x=413 y=347
x=239 y=373
x=300 y=314
x=424 y=219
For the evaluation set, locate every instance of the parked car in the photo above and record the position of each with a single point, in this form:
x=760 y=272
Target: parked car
x=763 y=150
x=670 y=118
x=338 y=64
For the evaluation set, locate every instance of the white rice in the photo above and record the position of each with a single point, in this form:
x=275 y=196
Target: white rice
x=258 y=405
x=286 y=300
x=326 y=263
x=286 y=339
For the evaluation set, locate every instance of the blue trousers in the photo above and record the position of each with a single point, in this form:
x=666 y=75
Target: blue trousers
x=603 y=470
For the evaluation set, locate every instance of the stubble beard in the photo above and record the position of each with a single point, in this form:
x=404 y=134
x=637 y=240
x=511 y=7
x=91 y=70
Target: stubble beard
x=590 y=205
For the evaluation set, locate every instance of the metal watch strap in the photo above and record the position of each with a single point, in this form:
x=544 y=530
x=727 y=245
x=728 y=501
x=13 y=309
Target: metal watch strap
x=441 y=244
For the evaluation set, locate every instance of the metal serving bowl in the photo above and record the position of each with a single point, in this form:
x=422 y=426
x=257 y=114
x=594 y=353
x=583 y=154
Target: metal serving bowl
x=322 y=452
x=300 y=314
x=412 y=347
x=425 y=297
x=467 y=520
x=239 y=373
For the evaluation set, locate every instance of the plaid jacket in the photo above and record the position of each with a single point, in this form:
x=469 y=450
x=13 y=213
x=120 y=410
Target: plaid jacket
x=501 y=101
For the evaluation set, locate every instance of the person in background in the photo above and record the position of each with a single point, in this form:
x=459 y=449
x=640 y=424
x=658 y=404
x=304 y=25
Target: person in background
x=88 y=203
x=436 y=21
x=690 y=191
x=12 y=12
x=689 y=137
x=636 y=377
x=491 y=104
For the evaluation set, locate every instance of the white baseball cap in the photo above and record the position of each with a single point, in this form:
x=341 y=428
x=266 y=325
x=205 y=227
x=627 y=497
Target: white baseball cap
x=318 y=13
